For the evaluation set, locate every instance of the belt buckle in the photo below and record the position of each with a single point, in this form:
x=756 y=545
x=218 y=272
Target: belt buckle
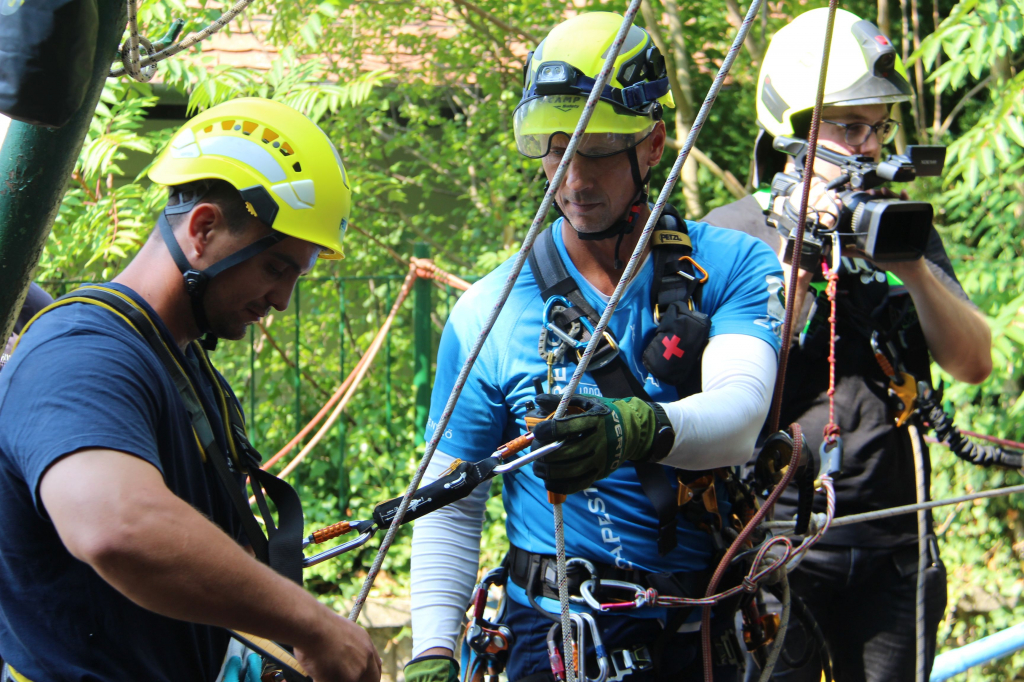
x=636 y=659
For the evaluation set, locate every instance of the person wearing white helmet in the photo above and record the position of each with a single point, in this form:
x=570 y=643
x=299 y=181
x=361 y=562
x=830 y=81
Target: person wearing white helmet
x=859 y=581
x=678 y=388
x=130 y=551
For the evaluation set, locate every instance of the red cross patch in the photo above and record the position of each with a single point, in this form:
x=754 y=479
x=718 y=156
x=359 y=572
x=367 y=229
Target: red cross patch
x=672 y=347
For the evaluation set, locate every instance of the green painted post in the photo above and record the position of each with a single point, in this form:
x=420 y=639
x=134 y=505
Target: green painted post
x=387 y=364
x=35 y=164
x=252 y=384
x=422 y=346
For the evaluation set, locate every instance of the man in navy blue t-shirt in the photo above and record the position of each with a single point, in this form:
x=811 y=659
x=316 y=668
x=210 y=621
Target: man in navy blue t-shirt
x=122 y=556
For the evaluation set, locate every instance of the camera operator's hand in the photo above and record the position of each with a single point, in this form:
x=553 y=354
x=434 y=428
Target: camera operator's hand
x=823 y=205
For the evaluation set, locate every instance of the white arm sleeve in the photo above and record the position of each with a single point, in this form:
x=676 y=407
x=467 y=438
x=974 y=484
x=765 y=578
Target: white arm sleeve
x=719 y=426
x=445 y=557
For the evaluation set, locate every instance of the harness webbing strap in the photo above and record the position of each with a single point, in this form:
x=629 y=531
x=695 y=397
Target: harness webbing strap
x=283 y=550
x=615 y=379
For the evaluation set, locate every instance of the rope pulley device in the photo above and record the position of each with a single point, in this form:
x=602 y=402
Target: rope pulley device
x=490 y=642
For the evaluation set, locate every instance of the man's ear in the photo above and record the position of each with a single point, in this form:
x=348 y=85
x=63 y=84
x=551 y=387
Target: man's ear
x=202 y=221
x=657 y=139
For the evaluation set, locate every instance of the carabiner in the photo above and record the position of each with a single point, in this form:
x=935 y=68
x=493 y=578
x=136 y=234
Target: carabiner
x=639 y=595
x=591 y=570
x=553 y=328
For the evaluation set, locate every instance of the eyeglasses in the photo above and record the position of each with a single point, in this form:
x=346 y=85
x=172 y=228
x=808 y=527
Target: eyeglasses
x=858 y=133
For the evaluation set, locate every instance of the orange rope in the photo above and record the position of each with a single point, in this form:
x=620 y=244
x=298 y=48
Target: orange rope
x=367 y=357
x=357 y=375
x=832 y=429
x=425 y=268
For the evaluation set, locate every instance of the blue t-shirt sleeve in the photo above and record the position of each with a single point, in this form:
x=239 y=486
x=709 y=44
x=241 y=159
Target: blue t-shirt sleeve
x=480 y=417
x=75 y=392
x=745 y=293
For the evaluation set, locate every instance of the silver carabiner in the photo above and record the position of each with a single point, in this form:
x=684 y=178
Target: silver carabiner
x=602 y=655
x=591 y=571
x=639 y=595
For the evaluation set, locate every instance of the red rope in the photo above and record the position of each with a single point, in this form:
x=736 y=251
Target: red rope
x=831 y=429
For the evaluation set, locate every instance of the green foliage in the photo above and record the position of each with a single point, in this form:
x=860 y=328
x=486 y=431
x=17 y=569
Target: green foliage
x=102 y=220
x=419 y=96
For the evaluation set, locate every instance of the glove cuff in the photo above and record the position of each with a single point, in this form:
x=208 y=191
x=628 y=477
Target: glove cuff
x=664 y=435
x=432 y=669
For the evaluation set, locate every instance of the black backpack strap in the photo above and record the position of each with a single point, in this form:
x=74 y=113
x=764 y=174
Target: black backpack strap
x=283 y=551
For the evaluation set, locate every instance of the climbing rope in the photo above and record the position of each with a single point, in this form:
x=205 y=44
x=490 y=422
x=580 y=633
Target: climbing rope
x=798 y=237
x=517 y=266
x=144 y=68
x=867 y=517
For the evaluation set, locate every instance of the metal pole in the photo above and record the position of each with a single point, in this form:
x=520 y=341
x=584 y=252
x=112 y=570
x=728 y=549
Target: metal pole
x=252 y=384
x=342 y=425
x=422 y=344
x=35 y=164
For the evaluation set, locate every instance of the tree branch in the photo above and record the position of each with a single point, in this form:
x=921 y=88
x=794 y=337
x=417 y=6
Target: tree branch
x=734 y=186
x=508 y=28
x=961 y=104
x=735 y=18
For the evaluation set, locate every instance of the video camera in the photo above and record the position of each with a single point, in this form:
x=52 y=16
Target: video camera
x=886 y=229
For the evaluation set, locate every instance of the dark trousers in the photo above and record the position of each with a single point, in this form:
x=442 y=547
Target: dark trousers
x=865 y=603
x=680 y=659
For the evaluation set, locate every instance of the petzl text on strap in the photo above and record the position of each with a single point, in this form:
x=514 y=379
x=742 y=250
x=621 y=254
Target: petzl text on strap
x=283 y=550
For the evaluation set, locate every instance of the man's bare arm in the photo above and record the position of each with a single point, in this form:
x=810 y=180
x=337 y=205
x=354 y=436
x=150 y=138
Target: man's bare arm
x=114 y=512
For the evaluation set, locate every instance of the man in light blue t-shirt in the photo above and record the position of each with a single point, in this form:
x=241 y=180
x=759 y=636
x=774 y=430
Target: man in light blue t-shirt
x=684 y=390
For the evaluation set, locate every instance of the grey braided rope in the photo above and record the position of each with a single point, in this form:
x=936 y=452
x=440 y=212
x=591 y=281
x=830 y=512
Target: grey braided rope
x=132 y=65
x=922 y=556
x=517 y=266
x=153 y=58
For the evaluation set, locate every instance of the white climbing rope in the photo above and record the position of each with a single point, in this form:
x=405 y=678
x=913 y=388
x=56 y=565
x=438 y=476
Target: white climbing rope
x=517 y=266
x=135 y=65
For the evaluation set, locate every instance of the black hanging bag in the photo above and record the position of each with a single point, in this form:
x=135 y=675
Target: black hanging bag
x=47 y=50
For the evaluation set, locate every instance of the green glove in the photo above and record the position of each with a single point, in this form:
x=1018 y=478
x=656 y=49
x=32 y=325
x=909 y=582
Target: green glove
x=432 y=669
x=599 y=435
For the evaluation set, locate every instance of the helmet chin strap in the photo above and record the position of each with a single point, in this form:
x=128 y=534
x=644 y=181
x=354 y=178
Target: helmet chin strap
x=196 y=281
x=623 y=226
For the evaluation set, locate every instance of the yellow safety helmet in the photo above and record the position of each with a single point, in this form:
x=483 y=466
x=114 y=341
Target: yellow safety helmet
x=863 y=68
x=561 y=73
x=286 y=170
x=284 y=166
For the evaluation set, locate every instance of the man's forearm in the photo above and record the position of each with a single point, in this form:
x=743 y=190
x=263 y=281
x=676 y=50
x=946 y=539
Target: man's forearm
x=957 y=334
x=183 y=566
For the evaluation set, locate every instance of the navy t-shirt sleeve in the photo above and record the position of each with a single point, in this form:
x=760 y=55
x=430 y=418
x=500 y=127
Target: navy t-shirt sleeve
x=75 y=392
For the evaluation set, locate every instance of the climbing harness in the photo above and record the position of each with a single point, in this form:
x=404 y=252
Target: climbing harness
x=281 y=547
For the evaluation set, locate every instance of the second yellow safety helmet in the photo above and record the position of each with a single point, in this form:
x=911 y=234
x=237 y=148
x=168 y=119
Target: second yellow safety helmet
x=286 y=169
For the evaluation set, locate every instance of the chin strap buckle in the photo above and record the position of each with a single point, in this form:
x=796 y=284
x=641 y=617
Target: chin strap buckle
x=195 y=282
